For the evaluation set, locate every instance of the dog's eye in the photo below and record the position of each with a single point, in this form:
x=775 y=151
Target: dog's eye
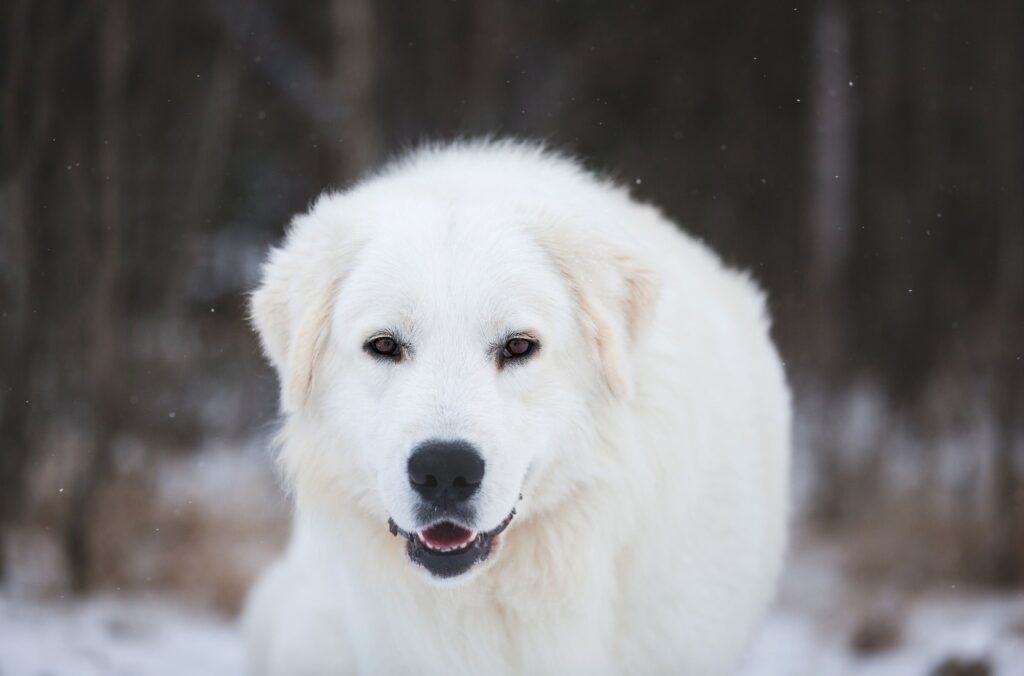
x=517 y=348
x=384 y=346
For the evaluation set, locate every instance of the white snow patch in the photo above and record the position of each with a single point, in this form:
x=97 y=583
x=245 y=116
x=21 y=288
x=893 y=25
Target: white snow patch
x=809 y=631
x=807 y=634
x=114 y=637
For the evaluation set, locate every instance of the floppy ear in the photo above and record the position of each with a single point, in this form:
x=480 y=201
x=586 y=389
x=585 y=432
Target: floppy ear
x=291 y=308
x=615 y=293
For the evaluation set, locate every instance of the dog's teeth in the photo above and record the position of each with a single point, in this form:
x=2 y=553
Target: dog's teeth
x=453 y=548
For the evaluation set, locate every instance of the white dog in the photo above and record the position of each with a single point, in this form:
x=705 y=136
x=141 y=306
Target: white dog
x=530 y=427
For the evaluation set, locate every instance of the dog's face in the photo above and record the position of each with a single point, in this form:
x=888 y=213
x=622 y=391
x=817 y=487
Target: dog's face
x=446 y=374
x=442 y=354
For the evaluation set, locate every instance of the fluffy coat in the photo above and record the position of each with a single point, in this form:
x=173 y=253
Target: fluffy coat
x=649 y=437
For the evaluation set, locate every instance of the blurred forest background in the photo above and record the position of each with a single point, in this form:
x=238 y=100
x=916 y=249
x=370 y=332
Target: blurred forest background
x=864 y=159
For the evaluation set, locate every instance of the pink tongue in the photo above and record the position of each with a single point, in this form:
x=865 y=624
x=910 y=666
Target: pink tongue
x=446 y=534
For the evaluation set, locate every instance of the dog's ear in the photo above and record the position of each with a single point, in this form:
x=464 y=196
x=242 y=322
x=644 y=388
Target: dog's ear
x=615 y=292
x=291 y=308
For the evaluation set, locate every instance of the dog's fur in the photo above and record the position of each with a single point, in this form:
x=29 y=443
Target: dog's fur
x=648 y=437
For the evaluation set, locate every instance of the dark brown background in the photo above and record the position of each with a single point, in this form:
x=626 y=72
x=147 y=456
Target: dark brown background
x=864 y=159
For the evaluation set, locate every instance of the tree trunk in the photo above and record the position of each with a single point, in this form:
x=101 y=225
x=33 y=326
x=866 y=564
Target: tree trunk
x=1007 y=145
x=831 y=219
x=105 y=331
x=358 y=133
x=16 y=356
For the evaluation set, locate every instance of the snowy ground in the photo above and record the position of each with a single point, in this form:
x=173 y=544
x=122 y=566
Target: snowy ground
x=807 y=635
x=951 y=632
x=114 y=637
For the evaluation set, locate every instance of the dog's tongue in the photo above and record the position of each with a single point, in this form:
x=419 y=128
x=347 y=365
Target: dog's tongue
x=446 y=534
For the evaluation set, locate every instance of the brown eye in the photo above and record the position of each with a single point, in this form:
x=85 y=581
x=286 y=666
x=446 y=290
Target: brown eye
x=384 y=346
x=517 y=348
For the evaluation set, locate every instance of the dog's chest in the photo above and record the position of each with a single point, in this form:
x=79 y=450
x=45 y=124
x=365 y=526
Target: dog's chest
x=492 y=633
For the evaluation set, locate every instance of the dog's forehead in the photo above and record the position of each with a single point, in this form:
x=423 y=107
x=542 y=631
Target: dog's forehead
x=455 y=262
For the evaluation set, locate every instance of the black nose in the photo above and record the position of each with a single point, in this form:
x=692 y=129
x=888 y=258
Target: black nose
x=445 y=472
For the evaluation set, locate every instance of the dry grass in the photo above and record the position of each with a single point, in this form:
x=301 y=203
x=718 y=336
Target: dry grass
x=198 y=527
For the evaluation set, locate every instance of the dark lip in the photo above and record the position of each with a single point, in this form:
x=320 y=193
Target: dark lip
x=450 y=564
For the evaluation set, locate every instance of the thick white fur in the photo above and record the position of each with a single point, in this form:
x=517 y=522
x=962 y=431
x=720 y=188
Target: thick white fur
x=649 y=436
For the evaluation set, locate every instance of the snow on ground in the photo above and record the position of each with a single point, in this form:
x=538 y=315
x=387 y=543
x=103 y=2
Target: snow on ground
x=964 y=630
x=806 y=635
x=114 y=637
x=981 y=631
x=812 y=627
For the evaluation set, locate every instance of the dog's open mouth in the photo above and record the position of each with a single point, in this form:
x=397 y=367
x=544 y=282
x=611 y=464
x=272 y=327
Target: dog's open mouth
x=448 y=549
x=446 y=537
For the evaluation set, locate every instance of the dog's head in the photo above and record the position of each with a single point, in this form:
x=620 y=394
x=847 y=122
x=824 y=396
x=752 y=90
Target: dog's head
x=444 y=339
